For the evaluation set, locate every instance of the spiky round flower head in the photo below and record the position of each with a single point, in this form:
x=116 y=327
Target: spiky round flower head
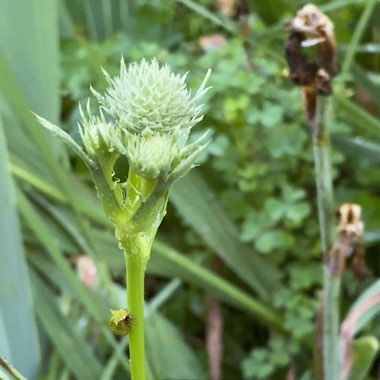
x=155 y=112
x=147 y=96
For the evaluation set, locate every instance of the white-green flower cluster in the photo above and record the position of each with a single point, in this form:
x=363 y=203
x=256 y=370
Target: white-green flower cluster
x=149 y=113
x=97 y=133
x=148 y=96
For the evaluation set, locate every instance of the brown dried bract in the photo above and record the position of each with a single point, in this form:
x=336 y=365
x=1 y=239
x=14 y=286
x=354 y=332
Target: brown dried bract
x=358 y=263
x=349 y=242
x=232 y=8
x=311 y=28
x=350 y=222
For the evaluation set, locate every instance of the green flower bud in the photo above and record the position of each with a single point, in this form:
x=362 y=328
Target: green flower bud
x=151 y=154
x=98 y=135
x=120 y=321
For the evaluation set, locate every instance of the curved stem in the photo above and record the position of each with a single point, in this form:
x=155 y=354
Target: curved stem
x=135 y=272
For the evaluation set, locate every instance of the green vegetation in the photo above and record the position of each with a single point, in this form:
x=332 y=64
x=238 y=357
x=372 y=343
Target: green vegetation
x=241 y=229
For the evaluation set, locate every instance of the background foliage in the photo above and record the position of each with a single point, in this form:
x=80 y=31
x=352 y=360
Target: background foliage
x=242 y=227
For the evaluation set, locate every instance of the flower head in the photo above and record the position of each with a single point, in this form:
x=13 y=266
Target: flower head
x=151 y=154
x=147 y=96
x=97 y=134
x=154 y=111
x=146 y=114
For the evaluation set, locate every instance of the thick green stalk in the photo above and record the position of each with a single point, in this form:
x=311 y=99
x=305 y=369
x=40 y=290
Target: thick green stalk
x=331 y=282
x=136 y=228
x=135 y=272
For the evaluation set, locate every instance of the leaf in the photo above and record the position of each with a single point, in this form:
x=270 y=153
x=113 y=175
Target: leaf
x=372 y=236
x=356 y=36
x=273 y=239
x=366 y=306
x=85 y=198
x=169 y=357
x=69 y=343
x=166 y=261
x=363 y=310
x=336 y=4
x=364 y=352
x=16 y=311
x=94 y=305
x=358 y=116
x=67 y=139
x=362 y=78
x=68 y=282
x=198 y=207
x=5 y=348
x=360 y=147
x=204 y=12
x=29 y=40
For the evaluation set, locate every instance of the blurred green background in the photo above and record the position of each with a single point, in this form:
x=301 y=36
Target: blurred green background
x=240 y=242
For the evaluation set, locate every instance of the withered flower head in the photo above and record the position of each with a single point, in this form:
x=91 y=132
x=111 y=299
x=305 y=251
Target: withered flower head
x=311 y=31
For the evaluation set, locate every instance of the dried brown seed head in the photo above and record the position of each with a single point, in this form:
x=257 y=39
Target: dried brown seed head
x=350 y=221
x=311 y=29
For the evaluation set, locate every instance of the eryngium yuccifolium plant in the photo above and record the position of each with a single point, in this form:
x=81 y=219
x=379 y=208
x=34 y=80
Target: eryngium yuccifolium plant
x=146 y=115
x=155 y=111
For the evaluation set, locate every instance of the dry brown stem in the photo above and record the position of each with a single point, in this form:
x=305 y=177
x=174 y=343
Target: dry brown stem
x=214 y=338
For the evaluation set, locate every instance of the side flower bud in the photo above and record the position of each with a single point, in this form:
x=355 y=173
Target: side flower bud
x=98 y=135
x=120 y=321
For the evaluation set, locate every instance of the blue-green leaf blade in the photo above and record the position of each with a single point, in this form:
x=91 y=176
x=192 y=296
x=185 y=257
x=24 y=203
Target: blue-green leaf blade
x=17 y=317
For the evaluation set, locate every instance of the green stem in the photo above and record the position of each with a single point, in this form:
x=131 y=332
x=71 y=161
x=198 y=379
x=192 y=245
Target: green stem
x=331 y=362
x=135 y=271
x=136 y=228
x=331 y=283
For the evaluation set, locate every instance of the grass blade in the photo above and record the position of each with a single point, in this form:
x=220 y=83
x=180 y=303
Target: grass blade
x=358 y=116
x=364 y=80
x=68 y=342
x=359 y=30
x=359 y=147
x=225 y=23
